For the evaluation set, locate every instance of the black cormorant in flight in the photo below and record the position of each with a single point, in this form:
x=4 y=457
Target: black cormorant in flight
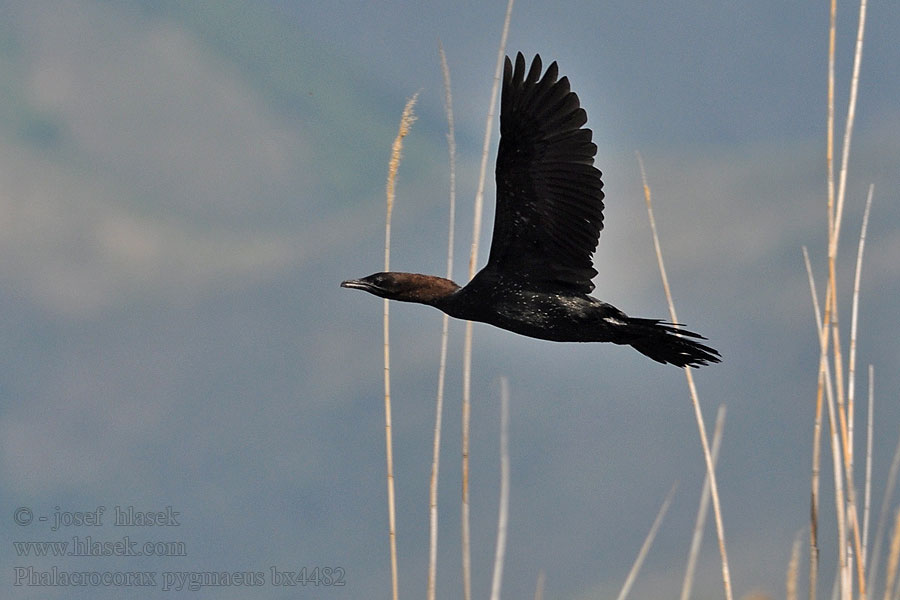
x=548 y=220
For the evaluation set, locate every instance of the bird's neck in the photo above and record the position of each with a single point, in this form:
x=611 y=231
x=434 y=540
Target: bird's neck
x=426 y=289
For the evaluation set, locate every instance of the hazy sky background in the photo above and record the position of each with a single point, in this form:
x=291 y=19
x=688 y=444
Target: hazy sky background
x=184 y=184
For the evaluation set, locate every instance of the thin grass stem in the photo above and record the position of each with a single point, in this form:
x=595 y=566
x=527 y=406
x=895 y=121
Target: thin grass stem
x=880 y=528
x=467 y=343
x=845 y=413
x=445 y=335
x=870 y=409
x=695 y=400
x=817 y=443
x=645 y=547
x=406 y=121
x=829 y=165
x=792 y=571
x=503 y=512
x=893 y=558
x=851 y=374
x=854 y=311
x=539 y=585
x=854 y=319
x=851 y=116
x=697 y=538
x=825 y=384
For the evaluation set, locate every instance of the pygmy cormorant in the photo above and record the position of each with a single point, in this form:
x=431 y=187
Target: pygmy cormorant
x=548 y=220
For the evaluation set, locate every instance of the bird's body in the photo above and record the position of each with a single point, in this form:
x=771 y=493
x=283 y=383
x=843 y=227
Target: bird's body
x=537 y=313
x=548 y=220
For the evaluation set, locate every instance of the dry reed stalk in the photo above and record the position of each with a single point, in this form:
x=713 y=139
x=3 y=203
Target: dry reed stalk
x=695 y=400
x=467 y=343
x=697 y=538
x=854 y=312
x=817 y=428
x=792 y=571
x=406 y=121
x=814 y=485
x=893 y=558
x=445 y=336
x=829 y=124
x=825 y=383
x=834 y=211
x=883 y=513
x=846 y=436
x=895 y=595
x=851 y=378
x=854 y=319
x=844 y=448
x=840 y=508
x=645 y=547
x=851 y=115
x=868 y=492
x=539 y=586
x=503 y=513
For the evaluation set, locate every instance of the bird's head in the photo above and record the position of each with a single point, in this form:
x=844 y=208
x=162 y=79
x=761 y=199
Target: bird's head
x=406 y=287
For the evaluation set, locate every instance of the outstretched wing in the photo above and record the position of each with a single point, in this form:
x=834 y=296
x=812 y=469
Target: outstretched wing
x=549 y=194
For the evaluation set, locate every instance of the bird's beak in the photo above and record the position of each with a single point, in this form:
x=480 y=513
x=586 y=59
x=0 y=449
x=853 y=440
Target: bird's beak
x=355 y=284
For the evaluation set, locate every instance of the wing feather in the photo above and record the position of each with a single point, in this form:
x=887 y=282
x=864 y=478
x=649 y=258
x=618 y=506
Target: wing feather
x=549 y=194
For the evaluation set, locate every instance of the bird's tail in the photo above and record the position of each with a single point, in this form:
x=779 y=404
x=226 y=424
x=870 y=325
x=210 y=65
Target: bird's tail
x=668 y=344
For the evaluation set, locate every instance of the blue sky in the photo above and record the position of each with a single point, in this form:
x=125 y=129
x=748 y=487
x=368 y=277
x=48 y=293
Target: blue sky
x=184 y=185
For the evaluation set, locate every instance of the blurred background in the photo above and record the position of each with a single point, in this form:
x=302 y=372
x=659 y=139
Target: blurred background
x=183 y=185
